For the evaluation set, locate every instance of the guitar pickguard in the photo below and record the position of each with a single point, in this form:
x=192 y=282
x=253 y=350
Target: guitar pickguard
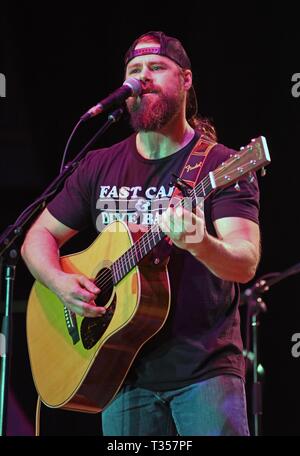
x=92 y=329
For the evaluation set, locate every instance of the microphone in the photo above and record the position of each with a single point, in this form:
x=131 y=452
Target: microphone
x=131 y=88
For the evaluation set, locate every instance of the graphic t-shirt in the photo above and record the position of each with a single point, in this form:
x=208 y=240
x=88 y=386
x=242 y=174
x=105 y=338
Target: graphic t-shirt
x=201 y=337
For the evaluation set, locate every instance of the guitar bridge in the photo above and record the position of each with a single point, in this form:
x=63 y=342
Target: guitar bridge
x=71 y=322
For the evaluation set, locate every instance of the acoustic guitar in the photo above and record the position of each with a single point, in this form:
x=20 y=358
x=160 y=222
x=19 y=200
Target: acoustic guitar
x=80 y=363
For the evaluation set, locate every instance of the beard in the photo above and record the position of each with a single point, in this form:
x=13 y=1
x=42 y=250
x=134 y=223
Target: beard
x=153 y=112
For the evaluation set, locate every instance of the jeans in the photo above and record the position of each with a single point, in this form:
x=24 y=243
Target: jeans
x=213 y=407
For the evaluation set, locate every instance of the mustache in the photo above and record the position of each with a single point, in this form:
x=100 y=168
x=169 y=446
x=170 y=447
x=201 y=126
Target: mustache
x=149 y=88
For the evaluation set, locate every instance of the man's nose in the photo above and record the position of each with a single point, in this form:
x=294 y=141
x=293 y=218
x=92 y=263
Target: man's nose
x=145 y=74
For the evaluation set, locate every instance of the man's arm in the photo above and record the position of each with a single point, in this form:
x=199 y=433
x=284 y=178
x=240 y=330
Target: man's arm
x=40 y=252
x=233 y=255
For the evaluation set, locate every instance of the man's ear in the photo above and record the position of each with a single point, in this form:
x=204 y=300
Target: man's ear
x=188 y=79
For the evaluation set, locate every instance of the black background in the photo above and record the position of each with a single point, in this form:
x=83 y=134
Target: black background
x=58 y=64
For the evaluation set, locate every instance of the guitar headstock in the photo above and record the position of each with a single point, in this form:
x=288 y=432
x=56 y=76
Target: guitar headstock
x=250 y=158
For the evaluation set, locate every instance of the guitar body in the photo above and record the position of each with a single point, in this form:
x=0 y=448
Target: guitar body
x=87 y=373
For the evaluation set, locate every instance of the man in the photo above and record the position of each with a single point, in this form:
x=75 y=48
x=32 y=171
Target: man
x=189 y=378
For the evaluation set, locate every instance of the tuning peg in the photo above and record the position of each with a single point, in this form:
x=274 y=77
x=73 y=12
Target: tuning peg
x=250 y=178
x=237 y=187
x=263 y=171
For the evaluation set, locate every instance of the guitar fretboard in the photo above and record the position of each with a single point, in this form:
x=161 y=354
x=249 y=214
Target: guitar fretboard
x=123 y=265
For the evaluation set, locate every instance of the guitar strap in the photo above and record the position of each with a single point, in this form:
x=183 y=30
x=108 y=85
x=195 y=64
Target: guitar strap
x=193 y=166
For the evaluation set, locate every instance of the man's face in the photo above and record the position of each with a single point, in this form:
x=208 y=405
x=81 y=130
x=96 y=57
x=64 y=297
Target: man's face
x=162 y=90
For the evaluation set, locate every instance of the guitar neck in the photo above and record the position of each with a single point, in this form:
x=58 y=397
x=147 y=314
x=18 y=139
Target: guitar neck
x=125 y=263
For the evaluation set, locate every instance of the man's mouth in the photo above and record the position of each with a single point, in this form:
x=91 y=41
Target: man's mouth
x=148 y=92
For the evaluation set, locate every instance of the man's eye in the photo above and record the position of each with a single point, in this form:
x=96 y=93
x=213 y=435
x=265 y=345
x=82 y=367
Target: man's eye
x=134 y=70
x=157 y=67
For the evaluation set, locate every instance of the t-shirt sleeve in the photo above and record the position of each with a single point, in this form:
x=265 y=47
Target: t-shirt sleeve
x=229 y=202
x=71 y=206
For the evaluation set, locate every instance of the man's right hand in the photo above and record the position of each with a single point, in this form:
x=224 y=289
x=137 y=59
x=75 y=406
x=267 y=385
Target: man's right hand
x=78 y=293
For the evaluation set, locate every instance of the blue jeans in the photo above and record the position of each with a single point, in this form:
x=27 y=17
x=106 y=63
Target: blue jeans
x=212 y=407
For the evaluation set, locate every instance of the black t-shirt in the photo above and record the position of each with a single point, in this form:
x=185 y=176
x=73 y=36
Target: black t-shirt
x=201 y=337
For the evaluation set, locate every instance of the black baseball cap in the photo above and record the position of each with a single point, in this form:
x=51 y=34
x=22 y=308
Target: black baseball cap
x=168 y=47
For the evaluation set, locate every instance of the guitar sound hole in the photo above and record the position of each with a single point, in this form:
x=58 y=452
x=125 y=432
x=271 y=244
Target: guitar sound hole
x=104 y=282
x=92 y=329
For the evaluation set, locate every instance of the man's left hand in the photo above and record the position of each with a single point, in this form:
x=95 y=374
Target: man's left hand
x=184 y=228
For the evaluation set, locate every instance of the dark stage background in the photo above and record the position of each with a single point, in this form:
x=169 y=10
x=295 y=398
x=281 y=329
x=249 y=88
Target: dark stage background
x=57 y=65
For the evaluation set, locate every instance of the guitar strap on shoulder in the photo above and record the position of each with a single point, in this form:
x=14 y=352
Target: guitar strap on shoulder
x=193 y=166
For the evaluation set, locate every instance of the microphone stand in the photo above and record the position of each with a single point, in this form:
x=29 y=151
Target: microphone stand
x=255 y=305
x=9 y=254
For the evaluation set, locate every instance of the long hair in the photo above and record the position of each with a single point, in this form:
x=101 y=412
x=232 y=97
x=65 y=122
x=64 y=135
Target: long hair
x=204 y=126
